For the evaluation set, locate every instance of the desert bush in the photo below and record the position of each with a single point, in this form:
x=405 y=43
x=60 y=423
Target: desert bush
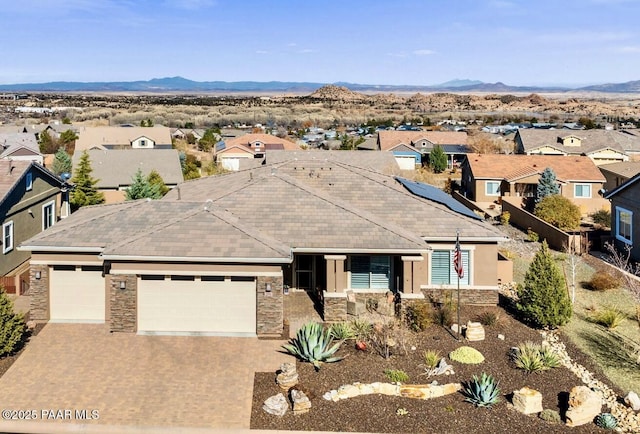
x=361 y=328
x=609 y=317
x=487 y=318
x=603 y=281
x=558 y=211
x=601 y=218
x=533 y=357
x=532 y=236
x=504 y=218
x=466 y=355
x=12 y=326
x=431 y=358
x=396 y=375
x=419 y=315
x=342 y=331
x=389 y=336
x=443 y=314
x=551 y=416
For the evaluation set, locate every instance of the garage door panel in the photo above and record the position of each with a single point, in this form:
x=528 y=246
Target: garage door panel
x=406 y=163
x=76 y=296
x=197 y=307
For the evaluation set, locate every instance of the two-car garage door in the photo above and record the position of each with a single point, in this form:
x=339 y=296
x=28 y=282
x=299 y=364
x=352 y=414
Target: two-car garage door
x=196 y=305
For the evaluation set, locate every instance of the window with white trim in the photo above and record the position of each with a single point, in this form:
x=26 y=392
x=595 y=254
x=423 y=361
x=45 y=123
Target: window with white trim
x=7 y=237
x=624 y=225
x=492 y=188
x=582 y=191
x=29 y=181
x=442 y=270
x=48 y=214
x=370 y=272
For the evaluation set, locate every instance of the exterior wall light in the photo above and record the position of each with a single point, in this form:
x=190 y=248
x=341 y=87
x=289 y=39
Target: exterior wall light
x=123 y=284
x=38 y=275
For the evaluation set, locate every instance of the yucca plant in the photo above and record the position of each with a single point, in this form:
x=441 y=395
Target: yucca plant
x=313 y=344
x=482 y=391
x=431 y=358
x=342 y=331
x=549 y=358
x=606 y=421
x=533 y=357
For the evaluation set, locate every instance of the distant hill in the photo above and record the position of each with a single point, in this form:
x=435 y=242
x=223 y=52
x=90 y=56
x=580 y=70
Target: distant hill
x=180 y=84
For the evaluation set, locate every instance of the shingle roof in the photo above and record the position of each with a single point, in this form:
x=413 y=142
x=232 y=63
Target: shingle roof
x=249 y=140
x=623 y=168
x=12 y=172
x=591 y=140
x=98 y=137
x=629 y=183
x=116 y=167
x=390 y=139
x=513 y=167
x=11 y=142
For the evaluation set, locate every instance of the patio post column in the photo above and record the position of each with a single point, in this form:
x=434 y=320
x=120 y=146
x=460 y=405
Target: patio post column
x=411 y=271
x=336 y=276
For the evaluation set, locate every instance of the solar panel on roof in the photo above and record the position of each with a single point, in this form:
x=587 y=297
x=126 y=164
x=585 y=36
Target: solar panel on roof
x=430 y=192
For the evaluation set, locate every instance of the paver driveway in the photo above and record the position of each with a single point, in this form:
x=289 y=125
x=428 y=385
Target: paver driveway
x=139 y=380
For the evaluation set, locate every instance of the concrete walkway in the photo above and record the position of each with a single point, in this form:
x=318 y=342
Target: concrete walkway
x=133 y=382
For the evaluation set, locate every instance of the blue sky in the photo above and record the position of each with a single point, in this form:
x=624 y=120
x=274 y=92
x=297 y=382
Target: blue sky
x=400 y=42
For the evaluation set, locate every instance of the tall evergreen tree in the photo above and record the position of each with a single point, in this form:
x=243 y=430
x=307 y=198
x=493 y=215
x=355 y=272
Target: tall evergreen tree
x=85 y=191
x=62 y=162
x=547 y=185
x=544 y=301
x=437 y=159
x=141 y=188
x=155 y=178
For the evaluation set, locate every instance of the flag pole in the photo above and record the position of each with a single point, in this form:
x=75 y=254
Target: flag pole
x=458 y=274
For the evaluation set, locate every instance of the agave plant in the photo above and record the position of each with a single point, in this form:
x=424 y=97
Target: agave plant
x=606 y=421
x=313 y=344
x=483 y=391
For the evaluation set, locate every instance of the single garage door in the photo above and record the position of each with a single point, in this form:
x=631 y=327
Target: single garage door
x=76 y=294
x=195 y=305
x=406 y=162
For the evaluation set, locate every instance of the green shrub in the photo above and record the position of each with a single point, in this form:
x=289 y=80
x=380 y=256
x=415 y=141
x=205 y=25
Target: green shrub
x=431 y=358
x=559 y=211
x=504 y=218
x=396 y=375
x=551 y=416
x=609 y=317
x=12 y=326
x=419 y=315
x=606 y=421
x=466 y=355
x=543 y=299
x=532 y=236
x=603 y=281
x=342 y=331
x=487 y=318
x=533 y=357
x=601 y=218
x=481 y=391
x=313 y=344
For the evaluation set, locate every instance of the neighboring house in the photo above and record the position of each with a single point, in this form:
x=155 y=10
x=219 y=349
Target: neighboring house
x=216 y=254
x=181 y=133
x=157 y=137
x=413 y=145
x=488 y=177
x=625 y=216
x=30 y=202
x=618 y=173
x=601 y=146
x=230 y=151
x=115 y=169
x=20 y=146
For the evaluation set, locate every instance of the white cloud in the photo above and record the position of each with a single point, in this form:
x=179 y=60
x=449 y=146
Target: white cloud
x=423 y=52
x=628 y=49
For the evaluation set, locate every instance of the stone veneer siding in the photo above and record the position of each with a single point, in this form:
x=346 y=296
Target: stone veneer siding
x=335 y=308
x=39 y=289
x=123 y=303
x=270 y=306
x=481 y=297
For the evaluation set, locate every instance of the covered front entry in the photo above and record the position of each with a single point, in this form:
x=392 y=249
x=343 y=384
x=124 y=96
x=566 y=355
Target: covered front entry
x=76 y=294
x=209 y=305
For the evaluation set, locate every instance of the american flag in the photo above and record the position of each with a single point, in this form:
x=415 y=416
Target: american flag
x=457 y=259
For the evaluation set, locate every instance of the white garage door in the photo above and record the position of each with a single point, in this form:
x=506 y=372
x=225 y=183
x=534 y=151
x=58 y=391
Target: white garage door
x=406 y=162
x=76 y=294
x=188 y=305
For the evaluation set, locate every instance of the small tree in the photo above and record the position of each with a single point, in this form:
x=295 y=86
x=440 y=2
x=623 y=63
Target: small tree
x=47 y=144
x=547 y=185
x=12 y=327
x=558 y=211
x=62 y=162
x=544 y=301
x=68 y=140
x=437 y=159
x=208 y=140
x=154 y=178
x=141 y=188
x=85 y=191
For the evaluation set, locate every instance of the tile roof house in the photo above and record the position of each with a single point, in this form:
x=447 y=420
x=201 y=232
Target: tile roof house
x=625 y=216
x=116 y=168
x=20 y=146
x=406 y=145
x=617 y=173
x=157 y=137
x=602 y=146
x=230 y=151
x=30 y=202
x=216 y=254
x=487 y=177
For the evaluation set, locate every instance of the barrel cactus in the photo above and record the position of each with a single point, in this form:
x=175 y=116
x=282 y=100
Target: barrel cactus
x=606 y=421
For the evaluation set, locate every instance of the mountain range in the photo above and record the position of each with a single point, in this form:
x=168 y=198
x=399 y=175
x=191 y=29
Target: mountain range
x=180 y=84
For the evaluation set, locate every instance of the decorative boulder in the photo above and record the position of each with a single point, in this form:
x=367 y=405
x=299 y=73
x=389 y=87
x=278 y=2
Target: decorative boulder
x=276 y=405
x=584 y=406
x=527 y=401
x=300 y=401
x=287 y=376
x=632 y=400
x=474 y=331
